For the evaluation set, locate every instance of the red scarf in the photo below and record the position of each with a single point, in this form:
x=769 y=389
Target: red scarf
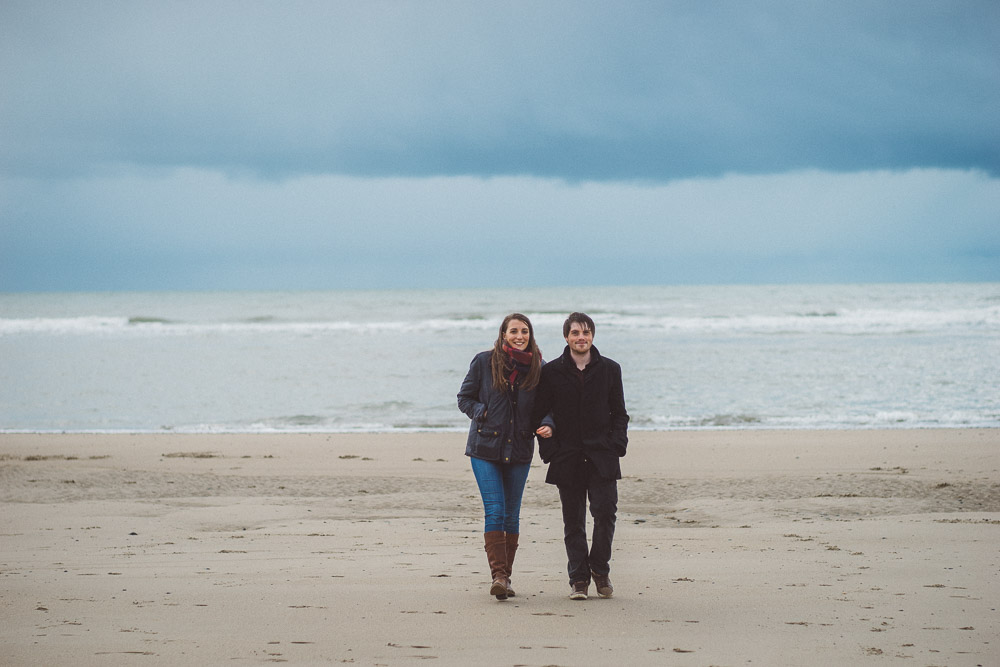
x=521 y=360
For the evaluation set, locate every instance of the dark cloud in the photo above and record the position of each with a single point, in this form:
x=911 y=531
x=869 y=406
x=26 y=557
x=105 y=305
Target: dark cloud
x=637 y=90
x=653 y=142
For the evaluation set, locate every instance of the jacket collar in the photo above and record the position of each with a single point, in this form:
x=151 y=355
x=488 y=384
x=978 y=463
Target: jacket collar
x=595 y=357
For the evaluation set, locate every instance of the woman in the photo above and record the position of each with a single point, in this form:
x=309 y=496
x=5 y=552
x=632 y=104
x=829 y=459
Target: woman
x=497 y=395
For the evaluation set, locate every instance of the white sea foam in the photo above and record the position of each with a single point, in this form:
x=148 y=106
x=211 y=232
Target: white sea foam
x=62 y=325
x=850 y=322
x=132 y=327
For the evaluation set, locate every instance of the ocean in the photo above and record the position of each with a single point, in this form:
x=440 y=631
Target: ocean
x=711 y=357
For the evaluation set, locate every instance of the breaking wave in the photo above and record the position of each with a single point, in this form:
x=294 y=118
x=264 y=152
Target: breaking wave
x=844 y=322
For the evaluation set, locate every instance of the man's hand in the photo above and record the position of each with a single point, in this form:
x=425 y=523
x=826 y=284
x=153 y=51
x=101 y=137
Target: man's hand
x=544 y=431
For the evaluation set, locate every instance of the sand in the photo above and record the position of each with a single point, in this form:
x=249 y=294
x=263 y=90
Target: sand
x=732 y=548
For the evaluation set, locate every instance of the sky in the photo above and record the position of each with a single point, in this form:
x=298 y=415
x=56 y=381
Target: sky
x=245 y=145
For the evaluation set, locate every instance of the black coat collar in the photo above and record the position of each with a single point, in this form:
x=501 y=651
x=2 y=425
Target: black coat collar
x=567 y=357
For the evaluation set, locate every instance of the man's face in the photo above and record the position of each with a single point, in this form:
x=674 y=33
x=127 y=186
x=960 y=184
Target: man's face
x=580 y=338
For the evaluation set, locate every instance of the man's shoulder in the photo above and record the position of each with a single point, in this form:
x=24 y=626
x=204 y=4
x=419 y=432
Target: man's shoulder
x=554 y=366
x=555 y=362
x=602 y=360
x=611 y=362
x=610 y=367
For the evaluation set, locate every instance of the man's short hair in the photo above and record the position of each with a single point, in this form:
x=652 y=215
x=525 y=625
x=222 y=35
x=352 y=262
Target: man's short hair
x=580 y=318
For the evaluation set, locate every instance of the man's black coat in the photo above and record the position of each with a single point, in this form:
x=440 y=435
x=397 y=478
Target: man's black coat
x=591 y=423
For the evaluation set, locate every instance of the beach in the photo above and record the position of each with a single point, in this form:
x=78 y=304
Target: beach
x=733 y=547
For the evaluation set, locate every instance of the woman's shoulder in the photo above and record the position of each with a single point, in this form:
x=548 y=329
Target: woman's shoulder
x=483 y=356
x=482 y=360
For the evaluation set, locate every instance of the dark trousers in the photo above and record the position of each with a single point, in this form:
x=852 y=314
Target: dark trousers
x=603 y=494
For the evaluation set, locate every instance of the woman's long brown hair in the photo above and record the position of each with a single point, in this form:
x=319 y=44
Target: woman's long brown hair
x=498 y=360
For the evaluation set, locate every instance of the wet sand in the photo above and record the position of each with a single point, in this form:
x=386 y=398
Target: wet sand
x=732 y=548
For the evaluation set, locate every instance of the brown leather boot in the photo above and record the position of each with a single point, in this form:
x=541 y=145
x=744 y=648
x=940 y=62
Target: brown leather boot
x=511 y=550
x=496 y=553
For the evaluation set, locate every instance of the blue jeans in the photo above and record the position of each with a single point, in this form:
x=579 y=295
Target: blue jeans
x=501 y=485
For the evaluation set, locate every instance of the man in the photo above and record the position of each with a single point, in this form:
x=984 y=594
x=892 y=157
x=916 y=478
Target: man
x=583 y=392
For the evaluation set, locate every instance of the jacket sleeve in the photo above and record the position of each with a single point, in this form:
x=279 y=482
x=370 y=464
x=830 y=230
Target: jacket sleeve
x=468 y=395
x=618 y=433
x=548 y=420
x=547 y=447
x=541 y=415
x=542 y=408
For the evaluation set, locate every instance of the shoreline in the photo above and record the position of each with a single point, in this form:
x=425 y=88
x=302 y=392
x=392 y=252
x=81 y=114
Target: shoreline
x=785 y=547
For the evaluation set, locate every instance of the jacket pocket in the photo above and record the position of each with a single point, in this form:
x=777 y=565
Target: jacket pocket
x=599 y=444
x=486 y=444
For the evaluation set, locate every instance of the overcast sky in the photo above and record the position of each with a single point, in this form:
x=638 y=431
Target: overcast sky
x=306 y=145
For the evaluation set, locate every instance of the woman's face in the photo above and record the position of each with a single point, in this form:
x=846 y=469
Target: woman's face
x=517 y=334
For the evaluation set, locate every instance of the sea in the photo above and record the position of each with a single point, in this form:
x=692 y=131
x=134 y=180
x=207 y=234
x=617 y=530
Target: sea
x=693 y=357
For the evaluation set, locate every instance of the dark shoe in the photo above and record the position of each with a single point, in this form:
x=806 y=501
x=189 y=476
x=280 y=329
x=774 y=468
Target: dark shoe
x=499 y=589
x=603 y=584
x=579 y=590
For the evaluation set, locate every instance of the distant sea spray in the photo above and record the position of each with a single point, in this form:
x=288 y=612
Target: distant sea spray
x=848 y=322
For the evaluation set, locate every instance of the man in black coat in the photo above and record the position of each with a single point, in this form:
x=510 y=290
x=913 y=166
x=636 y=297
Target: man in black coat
x=583 y=392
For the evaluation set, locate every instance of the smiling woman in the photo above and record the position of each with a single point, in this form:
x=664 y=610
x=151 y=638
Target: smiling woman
x=498 y=394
